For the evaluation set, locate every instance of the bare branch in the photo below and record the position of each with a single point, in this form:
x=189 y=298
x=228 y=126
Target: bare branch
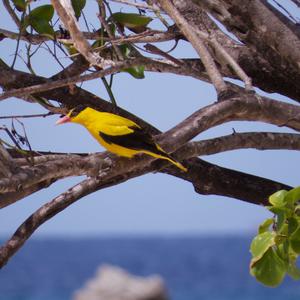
x=27 y=116
x=12 y=13
x=12 y=197
x=245 y=140
x=43 y=214
x=73 y=80
x=235 y=66
x=73 y=166
x=192 y=35
x=66 y=13
x=248 y=107
x=50 y=209
x=210 y=179
x=297 y=2
x=101 y=17
x=7 y=165
x=148 y=36
x=137 y=5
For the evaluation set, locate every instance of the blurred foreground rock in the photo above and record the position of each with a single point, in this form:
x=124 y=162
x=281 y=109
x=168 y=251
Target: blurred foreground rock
x=113 y=283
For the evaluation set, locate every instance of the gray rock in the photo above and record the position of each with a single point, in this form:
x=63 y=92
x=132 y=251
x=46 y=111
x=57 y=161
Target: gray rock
x=114 y=283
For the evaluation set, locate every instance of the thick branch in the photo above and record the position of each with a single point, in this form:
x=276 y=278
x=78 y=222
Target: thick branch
x=210 y=179
x=48 y=210
x=248 y=107
x=43 y=214
x=73 y=166
x=261 y=27
x=7 y=165
x=12 y=197
x=201 y=175
x=245 y=140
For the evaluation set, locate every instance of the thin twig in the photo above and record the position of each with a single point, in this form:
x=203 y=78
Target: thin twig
x=197 y=41
x=148 y=36
x=109 y=91
x=27 y=116
x=153 y=49
x=19 y=39
x=138 y=5
x=72 y=80
x=101 y=17
x=286 y=11
x=235 y=66
x=12 y=13
x=66 y=13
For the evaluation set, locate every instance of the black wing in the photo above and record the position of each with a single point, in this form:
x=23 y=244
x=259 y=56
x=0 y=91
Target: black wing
x=137 y=140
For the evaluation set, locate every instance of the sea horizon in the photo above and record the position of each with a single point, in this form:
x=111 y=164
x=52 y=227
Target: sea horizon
x=193 y=267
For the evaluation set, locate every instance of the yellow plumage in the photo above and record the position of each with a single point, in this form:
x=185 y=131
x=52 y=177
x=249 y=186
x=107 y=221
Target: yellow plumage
x=117 y=134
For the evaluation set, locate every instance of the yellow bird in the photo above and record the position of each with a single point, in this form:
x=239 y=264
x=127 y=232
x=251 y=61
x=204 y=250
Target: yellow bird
x=117 y=134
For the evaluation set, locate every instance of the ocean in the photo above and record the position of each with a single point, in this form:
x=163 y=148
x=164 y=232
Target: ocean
x=194 y=268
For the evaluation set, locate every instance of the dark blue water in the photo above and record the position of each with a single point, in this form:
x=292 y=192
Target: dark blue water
x=193 y=268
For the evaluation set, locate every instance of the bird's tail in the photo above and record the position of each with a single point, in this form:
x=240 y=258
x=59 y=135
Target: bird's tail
x=176 y=163
x=163 y=155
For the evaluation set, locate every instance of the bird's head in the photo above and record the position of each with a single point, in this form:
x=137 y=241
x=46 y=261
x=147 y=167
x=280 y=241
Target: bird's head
x=73 y=115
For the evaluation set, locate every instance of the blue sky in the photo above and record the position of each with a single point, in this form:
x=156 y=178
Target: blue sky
x=155 y=203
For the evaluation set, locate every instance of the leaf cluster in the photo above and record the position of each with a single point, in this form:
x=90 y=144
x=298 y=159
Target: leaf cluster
x=40 y=17
x=277 y=246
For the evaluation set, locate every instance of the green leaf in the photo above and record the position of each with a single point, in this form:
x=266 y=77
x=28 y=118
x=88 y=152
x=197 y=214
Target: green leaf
x=297 y=210
x=269 y=269
x=278 y=198
x=39 y=19
x=293 y=195
x=261 y=244
x=295 y=241
x=78 y=6
x=130 y=20
x=293 y=225
x=20 y=5
x=125 y=49
x=44 y=12
x=293 y=271
x=43 y=27
x=137 y=72
x=281 y=216
x=263 y=227
x=282 y=249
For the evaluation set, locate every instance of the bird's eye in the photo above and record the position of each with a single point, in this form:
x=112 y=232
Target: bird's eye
x=61 y=116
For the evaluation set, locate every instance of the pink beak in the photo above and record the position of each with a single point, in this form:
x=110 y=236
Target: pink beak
x=63 y=120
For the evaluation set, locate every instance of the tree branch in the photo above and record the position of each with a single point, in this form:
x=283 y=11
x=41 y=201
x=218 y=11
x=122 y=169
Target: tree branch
x=66 y=13
x=260 y=26
x=192 y=34
x=72 y=80
x=247 y=107
x=50 y=209
x=12 y=197
x=12 y=13
x=210 y=179
x=73 y=166
x=245 y=140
